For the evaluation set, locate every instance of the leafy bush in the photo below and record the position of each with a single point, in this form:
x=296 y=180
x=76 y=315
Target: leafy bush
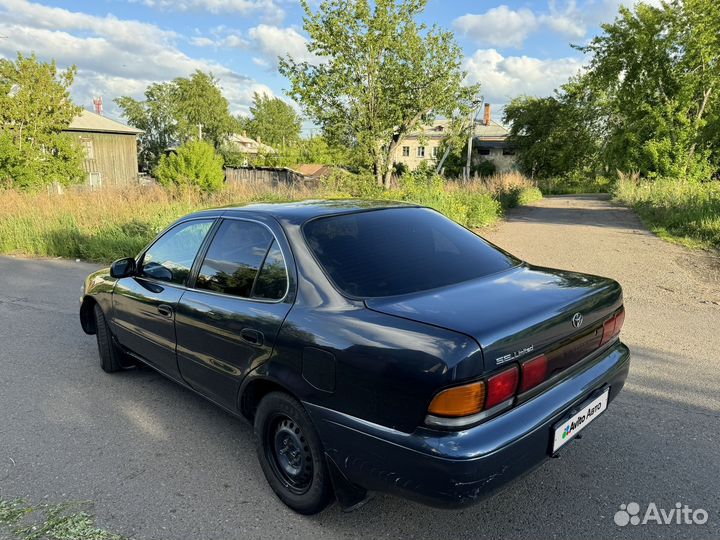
x=29 y=169
x=679 y=210
x=486 y=168
x=574 y=183
x=399 y=168
x=342 y=184
x=195 y=164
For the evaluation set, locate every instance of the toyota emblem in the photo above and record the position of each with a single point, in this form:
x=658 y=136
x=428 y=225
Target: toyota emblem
x=577 y=320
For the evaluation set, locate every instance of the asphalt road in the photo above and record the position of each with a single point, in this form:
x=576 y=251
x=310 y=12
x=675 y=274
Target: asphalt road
x=160 y=463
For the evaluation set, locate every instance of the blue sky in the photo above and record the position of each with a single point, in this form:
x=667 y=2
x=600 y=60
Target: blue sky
x=120 y=46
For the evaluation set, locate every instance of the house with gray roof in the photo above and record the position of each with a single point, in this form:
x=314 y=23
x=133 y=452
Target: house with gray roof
x=109 y=147
x=489 y=143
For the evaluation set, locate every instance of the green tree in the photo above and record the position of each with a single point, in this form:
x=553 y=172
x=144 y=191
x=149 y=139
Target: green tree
x=156 y=117
x=35 y=108
x=381 y=75
x=176 y=112
x=194 y=164
x=273 y=122
x=551 y=135
x=654 y=72
x=200 y=109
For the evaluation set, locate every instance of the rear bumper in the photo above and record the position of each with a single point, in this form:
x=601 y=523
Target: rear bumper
x=453 y=469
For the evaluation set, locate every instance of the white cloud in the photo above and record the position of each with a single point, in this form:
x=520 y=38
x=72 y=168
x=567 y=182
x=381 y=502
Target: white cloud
x=201 y=41
x=502 y=26
x=504 y=77
x=272 y=42
x=267 y=42
x=498 y=27
x=567 y=20
x=114 y=56
x=268 y=8
x=232 y=41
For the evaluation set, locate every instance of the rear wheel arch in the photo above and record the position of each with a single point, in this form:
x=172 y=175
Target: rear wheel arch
x=254 y=391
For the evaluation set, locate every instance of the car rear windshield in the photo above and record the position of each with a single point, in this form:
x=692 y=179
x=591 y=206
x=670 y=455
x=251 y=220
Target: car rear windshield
x=400 y=250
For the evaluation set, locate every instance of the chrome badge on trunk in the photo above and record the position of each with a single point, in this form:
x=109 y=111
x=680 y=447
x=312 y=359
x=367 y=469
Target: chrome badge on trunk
x=514 y=355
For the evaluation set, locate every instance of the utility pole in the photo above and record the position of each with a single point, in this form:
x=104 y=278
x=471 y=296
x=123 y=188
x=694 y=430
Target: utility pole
x=200 y=126
x=473 y=113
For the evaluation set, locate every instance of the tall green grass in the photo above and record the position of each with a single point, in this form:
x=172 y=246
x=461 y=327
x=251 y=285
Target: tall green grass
x=678 y=210
x=107 y=224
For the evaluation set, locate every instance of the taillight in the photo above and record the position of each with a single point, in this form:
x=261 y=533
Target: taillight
x=463 y=405
x=533 y=372
x=612 y=326
x=619 y=321
x=501 y=387
x=459 y=401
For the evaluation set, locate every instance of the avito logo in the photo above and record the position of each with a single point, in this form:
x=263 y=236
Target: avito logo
x=629 y=514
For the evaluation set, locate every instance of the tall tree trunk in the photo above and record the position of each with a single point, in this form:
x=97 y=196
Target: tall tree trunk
x=387 y=176
x=377 y=170
x=696 y=124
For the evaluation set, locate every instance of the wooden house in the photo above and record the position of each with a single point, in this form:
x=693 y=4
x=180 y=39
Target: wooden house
x=110 y=149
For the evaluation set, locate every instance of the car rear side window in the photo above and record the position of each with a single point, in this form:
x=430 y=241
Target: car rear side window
x=399 y=251
x=171 y=256
x=234 y=258
x=272 y=281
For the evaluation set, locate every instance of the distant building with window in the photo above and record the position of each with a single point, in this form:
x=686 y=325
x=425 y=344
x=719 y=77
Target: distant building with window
x=421 y=145
x=109 y=147
x=246 y=145
x=489 y=143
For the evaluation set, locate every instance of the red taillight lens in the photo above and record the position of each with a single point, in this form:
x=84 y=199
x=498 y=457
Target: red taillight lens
x=619 y=321
x=533 y=372
x=501 y=387
x=612 y=327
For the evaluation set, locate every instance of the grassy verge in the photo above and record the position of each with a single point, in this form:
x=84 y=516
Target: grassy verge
x=65 y=521
x=679 y=211
x=107 y=224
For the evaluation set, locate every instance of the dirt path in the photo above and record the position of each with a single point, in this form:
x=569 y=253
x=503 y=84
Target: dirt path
x=672 y=294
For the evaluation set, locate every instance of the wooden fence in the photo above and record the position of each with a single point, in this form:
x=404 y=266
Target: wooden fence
x=272 y=176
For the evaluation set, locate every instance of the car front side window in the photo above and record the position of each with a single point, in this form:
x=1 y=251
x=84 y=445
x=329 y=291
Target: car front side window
x=171 y=257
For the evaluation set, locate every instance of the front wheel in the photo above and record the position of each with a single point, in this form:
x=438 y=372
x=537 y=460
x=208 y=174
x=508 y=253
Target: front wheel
x=111 y=357
x=291 y=455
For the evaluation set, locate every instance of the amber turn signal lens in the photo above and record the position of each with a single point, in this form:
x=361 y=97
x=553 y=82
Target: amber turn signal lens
x=459 y=401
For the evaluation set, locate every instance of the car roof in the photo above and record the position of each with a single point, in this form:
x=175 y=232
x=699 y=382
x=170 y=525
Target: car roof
x=302 y=211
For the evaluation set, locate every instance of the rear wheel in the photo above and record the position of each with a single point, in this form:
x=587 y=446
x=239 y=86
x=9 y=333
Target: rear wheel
x=111 y=357
x=291 y=455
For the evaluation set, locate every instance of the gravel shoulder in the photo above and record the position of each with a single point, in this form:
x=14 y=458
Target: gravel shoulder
x=161 y=463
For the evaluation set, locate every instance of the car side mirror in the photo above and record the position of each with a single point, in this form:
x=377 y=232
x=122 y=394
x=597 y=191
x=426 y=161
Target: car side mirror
x=123 y=268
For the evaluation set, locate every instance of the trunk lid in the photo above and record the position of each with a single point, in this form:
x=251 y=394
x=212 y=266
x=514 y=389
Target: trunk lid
x=517 y=313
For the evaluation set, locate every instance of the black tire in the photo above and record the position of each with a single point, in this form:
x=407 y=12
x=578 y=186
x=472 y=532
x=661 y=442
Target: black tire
x=112 y=359
x=299 y=474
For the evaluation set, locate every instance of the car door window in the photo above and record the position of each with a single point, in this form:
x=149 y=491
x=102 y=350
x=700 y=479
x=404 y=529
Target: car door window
x=272 y=281
x=171 y=257
x=234 y=258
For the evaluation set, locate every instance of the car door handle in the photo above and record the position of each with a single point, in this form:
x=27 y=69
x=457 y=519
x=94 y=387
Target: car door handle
x=165 y=310
x=251 y=336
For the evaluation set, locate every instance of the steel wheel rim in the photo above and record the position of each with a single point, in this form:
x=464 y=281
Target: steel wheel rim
x=288 y=452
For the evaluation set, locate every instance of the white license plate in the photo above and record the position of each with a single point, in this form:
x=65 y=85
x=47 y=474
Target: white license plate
x=588 y=412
